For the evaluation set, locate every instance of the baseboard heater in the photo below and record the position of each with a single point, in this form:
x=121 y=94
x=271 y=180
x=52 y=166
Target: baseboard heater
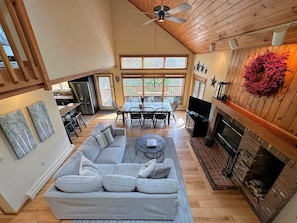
x=31 y=194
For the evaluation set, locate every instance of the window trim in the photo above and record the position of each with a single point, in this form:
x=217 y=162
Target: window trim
x=157 y=56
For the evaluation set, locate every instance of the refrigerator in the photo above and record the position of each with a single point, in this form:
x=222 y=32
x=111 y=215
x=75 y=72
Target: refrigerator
x=84 y=93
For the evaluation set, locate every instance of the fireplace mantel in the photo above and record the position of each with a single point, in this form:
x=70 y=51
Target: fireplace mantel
x=280 y=139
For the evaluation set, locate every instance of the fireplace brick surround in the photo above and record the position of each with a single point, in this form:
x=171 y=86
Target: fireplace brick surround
x=254 y=152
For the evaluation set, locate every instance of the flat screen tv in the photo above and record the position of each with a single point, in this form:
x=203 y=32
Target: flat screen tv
x=199 y=106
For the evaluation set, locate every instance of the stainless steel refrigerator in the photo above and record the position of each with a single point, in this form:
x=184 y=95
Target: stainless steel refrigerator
x=84 y=93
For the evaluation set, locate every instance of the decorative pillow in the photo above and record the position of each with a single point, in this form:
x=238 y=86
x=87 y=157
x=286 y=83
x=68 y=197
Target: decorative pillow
x=160 y=173
x=104 y=138
x=147 y=168
x=157 y=186
x=79 y=184
x=111 y=130
x=87 y=168
x=119 y=183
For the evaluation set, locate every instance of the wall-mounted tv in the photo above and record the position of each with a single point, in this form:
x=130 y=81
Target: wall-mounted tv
x=199 y=106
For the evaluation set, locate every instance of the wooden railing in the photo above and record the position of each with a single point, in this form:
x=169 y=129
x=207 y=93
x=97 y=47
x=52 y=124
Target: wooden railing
x=31 y=73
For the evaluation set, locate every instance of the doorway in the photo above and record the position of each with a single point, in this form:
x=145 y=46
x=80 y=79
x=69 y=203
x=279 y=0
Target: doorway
x=106 y=90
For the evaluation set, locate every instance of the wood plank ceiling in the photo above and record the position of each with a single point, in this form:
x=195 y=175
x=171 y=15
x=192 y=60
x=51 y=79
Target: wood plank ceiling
x=251 y=22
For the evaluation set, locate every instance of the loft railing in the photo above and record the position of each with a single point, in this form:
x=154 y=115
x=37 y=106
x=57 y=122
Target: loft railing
x=29 y=71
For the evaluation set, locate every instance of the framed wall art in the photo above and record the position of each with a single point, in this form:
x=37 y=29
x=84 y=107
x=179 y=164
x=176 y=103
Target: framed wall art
x=41 y=120
x=18 y=133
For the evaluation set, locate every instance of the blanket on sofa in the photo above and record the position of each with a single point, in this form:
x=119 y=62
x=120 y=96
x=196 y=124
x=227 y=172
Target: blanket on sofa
x=184 y=212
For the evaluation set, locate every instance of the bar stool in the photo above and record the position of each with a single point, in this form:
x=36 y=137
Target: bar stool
x=78 y=120
x=69 y=127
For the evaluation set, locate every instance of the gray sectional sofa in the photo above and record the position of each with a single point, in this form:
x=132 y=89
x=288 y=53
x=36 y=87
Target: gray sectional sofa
x=96 y=185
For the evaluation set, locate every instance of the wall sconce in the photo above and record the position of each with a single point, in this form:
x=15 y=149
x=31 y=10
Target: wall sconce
x=212 y=47
x=117 y=78
x=233 y=43
x=279 y=36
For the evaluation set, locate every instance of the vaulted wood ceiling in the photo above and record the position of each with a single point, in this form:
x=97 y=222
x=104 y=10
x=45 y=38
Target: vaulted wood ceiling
x=252 y=22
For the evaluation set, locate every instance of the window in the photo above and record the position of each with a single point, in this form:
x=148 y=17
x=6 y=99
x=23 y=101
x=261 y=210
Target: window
x=153 y=62
x=199 y=88
x=167 y=87
x=61 y=86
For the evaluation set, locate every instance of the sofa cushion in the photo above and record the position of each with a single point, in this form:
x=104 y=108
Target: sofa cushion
x=160 y=173
x=90 y=148
x=127 y=169
x=157 y=186
x=104 y=139
x=109 y=155
x=87 y=168
x=71 y=166
x=147 y=168
x=98 y=128
x=79 y=184
x=119 y=183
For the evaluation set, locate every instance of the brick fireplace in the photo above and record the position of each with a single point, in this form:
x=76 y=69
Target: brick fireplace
x=266 y=173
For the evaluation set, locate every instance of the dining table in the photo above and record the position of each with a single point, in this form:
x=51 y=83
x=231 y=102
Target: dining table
x=155 y=105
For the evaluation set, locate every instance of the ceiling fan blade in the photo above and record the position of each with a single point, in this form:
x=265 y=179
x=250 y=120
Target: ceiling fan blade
x=180 y=8
x=148 y=13
x=175 y=19
x=150 y=21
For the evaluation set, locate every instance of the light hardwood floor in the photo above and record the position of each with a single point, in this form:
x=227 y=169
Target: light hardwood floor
x=206 y=204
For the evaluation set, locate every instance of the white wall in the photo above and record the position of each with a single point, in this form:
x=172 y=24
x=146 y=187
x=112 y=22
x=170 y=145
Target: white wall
x=132 y=38
x=74 y=36
x=217 y=64
x=18 y=176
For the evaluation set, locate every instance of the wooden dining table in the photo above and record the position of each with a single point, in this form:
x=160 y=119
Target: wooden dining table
x=126 y=108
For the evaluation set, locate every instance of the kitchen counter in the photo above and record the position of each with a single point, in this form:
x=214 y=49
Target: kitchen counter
x=67 y=108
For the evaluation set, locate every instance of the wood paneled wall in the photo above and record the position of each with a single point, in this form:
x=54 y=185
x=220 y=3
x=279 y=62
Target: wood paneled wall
x=281 y=108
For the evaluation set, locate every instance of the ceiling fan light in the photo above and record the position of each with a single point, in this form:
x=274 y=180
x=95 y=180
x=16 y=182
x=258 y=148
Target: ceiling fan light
x=279 y=37
x=233 y=43
x=161 y=17
x=212 y=47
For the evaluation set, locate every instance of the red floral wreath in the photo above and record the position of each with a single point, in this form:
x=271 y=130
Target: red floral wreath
x=265 y=74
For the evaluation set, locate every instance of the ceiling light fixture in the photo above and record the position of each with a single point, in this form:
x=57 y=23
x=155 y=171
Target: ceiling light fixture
x=212 y=47
x=233 y=43
x=279 y=36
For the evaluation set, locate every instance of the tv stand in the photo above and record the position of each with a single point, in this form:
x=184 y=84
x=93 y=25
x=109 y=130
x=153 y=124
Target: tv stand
x=196 y=124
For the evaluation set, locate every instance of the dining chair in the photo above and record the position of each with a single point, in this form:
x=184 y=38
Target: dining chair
x=78 y=120
x=174 y=106
x=117 y=109
x=157 y=99
x=160 y=114
x=135 y=114
x=148 y=114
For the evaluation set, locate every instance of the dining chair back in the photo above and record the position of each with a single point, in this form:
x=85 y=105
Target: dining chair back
x=160 y=114
x=135 y=114
x=148 y=113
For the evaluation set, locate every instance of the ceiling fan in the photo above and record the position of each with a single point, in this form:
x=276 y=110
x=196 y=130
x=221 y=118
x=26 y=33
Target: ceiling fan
x=163 y=12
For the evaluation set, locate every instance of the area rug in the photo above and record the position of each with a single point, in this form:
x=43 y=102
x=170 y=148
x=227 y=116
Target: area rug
x=184 y=213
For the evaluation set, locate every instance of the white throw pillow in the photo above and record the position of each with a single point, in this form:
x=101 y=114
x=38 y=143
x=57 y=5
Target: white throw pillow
x=87 y=168
x=119 y=183
x=147 y=168
x=79 y=184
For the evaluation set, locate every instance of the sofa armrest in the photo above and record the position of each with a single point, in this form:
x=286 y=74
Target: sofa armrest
x=119 y=131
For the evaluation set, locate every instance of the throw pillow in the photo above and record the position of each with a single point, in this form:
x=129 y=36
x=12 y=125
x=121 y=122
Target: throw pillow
x=147 y=168
x=160 y=173
x=111 y=130
x=119 y=183
x=79 y=184
x=104 y=138
x=87 y=168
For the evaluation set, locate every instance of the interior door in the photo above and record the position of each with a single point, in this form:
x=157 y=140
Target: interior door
x=106 y=90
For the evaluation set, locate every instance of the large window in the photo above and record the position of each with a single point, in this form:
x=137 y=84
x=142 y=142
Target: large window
x=164 y=86
x=153 y=62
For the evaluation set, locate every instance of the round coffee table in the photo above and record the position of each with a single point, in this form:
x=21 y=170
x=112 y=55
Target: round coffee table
x=150 y=152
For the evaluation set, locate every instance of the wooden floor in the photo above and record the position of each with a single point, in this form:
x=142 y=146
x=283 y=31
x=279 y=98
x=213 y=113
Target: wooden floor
x=206 y=204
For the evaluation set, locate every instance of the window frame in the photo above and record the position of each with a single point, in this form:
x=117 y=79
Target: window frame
x=164 y=67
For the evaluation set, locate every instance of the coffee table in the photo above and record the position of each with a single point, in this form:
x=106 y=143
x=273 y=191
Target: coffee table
x=150 y=152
